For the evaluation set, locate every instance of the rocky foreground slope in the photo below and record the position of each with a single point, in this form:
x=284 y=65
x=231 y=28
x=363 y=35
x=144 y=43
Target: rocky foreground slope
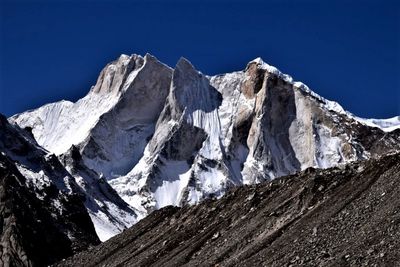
x=343 y=216
x=173 y=136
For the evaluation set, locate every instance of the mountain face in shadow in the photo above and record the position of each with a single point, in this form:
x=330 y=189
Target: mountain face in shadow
x=42 y=213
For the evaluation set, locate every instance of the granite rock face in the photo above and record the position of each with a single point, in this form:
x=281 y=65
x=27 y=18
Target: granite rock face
x=161 y=136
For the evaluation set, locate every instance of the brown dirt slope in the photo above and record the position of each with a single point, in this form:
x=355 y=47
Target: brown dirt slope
x=347 y=216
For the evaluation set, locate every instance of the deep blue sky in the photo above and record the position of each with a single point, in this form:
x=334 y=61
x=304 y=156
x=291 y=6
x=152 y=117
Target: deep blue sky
x=348 y=51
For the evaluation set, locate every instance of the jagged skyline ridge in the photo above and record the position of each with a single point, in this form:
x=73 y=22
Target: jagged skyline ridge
x=341 y=59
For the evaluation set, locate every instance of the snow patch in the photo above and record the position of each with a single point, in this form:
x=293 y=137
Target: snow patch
x=176 y=176
x=328 y=148
x=386 y=125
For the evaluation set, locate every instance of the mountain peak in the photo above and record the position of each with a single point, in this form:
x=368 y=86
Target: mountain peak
x=261 y=64
x=257 y=60
x=184 y=64
x=150 y=58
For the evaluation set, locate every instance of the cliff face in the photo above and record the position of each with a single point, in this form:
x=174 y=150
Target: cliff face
x=155 y=136
x=345 y=216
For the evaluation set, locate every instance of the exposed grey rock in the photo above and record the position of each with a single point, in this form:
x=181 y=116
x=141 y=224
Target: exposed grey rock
x=173 y=137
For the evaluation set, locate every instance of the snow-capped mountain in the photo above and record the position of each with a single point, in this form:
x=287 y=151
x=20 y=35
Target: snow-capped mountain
x=161 y=136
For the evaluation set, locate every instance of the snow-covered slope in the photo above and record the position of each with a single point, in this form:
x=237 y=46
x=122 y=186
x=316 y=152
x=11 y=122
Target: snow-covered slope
x=162 y=136
x=386 y=125
x=43 y=170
